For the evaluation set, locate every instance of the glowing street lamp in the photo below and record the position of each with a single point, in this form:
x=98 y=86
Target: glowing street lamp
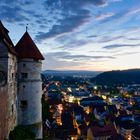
x=95 y=87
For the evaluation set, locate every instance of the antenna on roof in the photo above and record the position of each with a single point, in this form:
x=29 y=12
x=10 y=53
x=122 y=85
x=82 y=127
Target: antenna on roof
x=26 y=27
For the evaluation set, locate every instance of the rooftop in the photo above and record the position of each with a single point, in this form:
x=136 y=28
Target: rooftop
x=26 y=48
x=6 y=39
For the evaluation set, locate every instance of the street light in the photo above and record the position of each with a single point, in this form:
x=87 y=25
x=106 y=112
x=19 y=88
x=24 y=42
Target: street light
x=95 y=87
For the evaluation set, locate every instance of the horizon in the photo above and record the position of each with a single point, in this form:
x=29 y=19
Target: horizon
x=67 y=70
x=90 y=70
x=99 y=35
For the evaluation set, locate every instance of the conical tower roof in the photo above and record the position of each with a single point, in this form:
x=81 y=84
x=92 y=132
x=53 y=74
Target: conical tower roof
x=26 y=48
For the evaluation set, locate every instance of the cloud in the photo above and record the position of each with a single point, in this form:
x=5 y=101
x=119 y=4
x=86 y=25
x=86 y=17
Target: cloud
x=133 y=38
x=92 y=36
x=86 y=57
x=106 y=39
x=120 y=46
x=104 y=16
x=71 y=15
x=99 y=2
x=22 y=12
x=66 y=25
x=126 y=53
x=25 y=2
x=117 y=0
x=75 y=43
x=67 y=57
x=103 y=52
x=133 y=11
x=120 y=17
x=12 y=14
x=63 y=16
x=66 y=60
x=54 y=61
x=14 y=10
x=116 y=16
x=70 y=4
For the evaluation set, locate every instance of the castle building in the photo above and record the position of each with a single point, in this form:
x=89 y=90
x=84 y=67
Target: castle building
x=8 y=92
x=21 y=90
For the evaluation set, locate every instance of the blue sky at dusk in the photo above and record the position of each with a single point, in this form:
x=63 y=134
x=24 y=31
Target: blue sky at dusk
x=78 y=34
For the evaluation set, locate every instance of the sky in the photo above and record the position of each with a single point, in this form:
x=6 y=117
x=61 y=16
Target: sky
x=94 y=35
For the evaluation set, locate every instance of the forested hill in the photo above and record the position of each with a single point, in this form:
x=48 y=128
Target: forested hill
x=131 y=76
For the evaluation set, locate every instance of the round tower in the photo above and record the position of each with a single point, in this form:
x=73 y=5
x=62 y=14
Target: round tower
x=29 y=84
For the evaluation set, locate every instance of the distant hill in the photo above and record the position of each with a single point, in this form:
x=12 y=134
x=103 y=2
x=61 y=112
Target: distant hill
x=74 y=73
x=131 y=76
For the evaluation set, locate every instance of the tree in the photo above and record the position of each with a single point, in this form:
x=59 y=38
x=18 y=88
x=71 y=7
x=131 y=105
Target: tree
x=21 y=133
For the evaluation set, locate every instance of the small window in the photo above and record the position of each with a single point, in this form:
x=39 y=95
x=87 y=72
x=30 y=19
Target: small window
x=12 y=108
x=24 y=75
x=12 y=76
x=23 y=104
x=24 y=65
x=3 y=78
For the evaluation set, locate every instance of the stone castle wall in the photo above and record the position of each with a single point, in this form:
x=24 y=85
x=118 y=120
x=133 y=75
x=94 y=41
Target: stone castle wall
x=8 y=64
x=30 y=93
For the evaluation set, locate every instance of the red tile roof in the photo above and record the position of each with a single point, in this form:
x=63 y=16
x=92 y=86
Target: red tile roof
x=26 y=48
x=6 y=39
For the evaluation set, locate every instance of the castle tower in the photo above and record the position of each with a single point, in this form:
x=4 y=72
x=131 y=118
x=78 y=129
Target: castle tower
x=29 y=84
x=8 y=92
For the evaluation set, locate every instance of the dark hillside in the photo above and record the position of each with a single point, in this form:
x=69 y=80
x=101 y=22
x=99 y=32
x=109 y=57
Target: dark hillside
x=118 y=77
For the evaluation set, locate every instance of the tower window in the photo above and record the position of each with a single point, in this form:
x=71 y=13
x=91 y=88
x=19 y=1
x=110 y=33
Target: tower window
x=24 y=65
x=23 y=103
x=12 y=76
x=24 y=75
x=12 y=108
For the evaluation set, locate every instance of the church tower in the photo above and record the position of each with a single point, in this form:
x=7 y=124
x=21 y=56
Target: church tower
x=29 y=84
